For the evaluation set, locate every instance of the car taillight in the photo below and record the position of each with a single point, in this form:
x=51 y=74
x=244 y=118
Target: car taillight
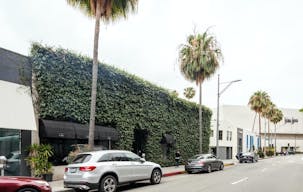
x=87 y=168
x=66 y=169
x=201 y=163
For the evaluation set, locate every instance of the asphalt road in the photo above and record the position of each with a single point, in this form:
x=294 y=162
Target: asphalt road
x=279 y=174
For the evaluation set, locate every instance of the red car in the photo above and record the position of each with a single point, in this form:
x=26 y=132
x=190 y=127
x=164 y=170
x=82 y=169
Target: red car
x=23 y=184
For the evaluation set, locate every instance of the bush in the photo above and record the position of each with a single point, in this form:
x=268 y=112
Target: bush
x=38 y=159
x=269 y=151
x=260 y=153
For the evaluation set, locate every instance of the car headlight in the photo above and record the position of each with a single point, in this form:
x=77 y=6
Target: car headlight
x=41 y=182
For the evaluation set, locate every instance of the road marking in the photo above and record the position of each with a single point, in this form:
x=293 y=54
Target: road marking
x=263 y=170
x=239 y=181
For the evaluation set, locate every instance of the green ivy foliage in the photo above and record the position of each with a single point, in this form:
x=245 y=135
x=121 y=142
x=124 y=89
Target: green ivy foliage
x=124 y=101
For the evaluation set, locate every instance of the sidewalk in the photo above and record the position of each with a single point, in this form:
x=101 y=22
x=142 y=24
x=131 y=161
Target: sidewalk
x=57 y=186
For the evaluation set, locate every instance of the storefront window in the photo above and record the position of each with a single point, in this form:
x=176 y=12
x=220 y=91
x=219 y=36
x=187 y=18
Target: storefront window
x=10 y=148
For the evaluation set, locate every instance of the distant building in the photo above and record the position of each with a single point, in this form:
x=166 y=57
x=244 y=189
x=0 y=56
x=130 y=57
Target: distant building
x=239 y=131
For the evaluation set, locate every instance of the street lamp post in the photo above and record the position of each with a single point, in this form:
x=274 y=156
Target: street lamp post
x=219 y=93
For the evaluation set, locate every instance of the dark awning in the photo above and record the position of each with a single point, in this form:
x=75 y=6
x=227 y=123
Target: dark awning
x=68 y=130
x=56 y=129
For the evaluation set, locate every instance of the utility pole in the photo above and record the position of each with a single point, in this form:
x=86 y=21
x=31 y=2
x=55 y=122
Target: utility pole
x=219 y=93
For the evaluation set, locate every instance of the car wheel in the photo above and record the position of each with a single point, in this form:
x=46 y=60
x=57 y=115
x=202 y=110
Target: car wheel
x=208 y=169
x=156 y=176
x=28 y=190
x=189 y=172
x=221 y=166
x=108 y=184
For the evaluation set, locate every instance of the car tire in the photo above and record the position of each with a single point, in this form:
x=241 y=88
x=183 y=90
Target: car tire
x=28 y=190
x=209 y=169
x=221 y=167
x=108 y=184
x=156 y=176
x=189 y=172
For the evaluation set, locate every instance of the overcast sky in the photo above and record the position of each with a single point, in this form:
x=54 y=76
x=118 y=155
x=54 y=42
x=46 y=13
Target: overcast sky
x=261 y=42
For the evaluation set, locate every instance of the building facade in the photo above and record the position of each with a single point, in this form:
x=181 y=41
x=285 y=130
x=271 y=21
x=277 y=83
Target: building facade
x=17 y=118
x=239 y=131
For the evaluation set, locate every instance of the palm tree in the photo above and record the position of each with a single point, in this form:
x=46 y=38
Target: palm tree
x=268 y=113
x=174 y=93
x=189 y=92
x=276 y=118
x=199 y=58
x=258 y=102
x=107 y=10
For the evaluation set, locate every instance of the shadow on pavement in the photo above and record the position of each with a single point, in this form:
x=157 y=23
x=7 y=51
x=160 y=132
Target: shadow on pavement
x=133 y=186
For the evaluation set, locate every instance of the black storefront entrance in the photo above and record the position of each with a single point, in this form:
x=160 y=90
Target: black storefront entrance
x=63 y=136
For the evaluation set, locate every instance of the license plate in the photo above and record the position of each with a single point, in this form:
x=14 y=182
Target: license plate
x=72 y=170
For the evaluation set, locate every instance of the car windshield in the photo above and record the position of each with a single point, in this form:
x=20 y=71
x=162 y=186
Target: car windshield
x=247 y=154
x=198 y=157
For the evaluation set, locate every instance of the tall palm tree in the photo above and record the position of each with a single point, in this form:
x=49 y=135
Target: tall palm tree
x=189 y=92
x=276 y=118
x=199 y=58
x=258 y=102
x=107 y=10
x=268 y=113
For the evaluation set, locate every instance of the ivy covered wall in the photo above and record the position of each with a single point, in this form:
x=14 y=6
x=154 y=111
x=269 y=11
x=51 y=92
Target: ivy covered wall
x=124 y=101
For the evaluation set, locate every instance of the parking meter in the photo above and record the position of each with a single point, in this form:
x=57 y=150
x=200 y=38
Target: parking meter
x=3 y=161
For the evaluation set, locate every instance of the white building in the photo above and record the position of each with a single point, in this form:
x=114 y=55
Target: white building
x=17 y=117
x=239 y=131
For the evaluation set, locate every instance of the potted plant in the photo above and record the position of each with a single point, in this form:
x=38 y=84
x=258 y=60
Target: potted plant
x=38 y=161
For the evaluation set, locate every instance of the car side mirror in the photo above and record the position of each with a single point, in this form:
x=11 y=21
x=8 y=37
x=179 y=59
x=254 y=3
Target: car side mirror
x=142 y=160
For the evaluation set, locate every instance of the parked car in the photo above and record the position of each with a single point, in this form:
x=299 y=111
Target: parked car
x=13 y=163
x=106 y=170
x=23 y=184
x=203 y=162
x=247 y=157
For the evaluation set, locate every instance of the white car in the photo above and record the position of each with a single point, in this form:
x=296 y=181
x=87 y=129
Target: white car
x=106 y=170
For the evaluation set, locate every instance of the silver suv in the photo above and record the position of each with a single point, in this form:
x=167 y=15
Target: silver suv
x=105 y=170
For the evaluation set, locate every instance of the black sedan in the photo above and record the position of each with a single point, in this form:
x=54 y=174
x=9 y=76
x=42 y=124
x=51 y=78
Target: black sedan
x=203 y=162
x=247 y=157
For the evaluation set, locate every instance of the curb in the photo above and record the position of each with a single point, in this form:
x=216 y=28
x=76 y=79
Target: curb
x=229 y=164
x=64 y=190
x=182 y=172
x=173 y=173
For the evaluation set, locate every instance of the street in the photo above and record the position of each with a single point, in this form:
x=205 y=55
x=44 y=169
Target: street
x=278 y=174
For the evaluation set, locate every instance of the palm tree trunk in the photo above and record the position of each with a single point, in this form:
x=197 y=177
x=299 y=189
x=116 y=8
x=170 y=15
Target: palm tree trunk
x=260 y=132
x=275 y=139
x=91 y=135
x=269 y=134
x=200 y=117
x=253 y=127
x=265 y=135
